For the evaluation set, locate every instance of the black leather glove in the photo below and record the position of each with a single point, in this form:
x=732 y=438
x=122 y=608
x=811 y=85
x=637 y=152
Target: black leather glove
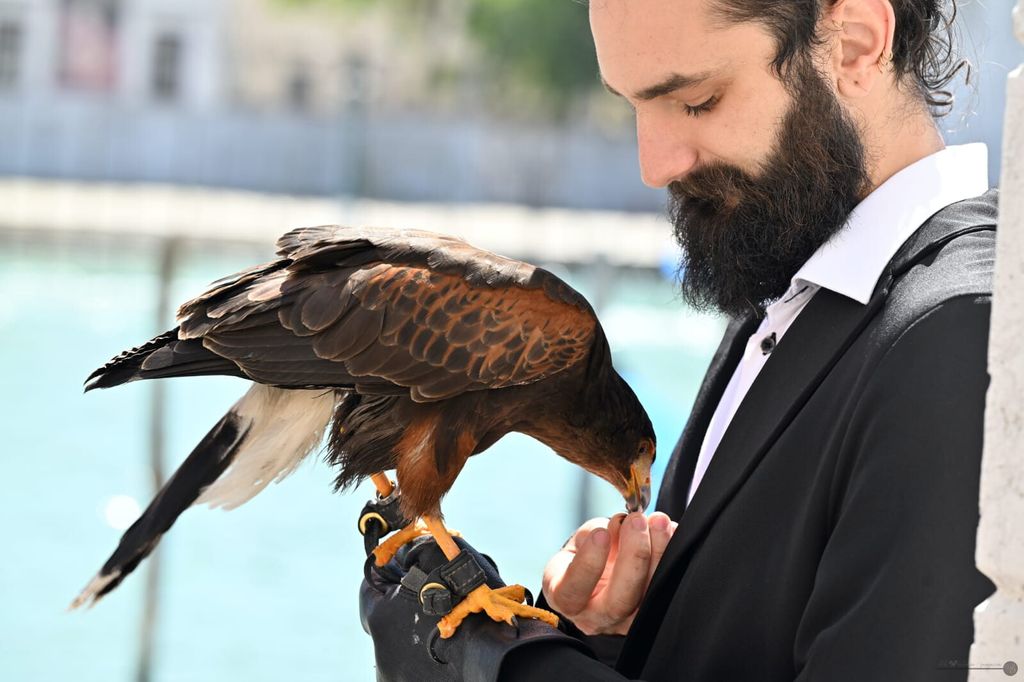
x=406 y=642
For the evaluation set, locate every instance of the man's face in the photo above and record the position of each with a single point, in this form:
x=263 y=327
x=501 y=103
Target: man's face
x=760 y=175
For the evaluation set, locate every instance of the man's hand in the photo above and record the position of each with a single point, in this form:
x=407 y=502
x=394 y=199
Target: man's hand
x=599 y=578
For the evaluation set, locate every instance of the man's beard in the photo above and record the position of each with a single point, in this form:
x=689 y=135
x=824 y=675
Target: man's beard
x=744 y=237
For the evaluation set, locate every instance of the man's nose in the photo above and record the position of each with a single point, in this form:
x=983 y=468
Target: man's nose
x=666 y=153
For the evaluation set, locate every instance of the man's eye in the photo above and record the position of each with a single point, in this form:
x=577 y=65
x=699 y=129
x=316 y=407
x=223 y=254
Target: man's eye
x=702 y=108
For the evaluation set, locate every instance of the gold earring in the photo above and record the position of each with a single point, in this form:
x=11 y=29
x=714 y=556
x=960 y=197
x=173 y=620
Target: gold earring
x=838 y=25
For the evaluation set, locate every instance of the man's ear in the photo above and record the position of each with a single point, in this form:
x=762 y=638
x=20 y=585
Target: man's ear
x=862 y=38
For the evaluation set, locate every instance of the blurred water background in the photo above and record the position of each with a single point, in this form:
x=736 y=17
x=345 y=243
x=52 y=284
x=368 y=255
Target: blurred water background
x=155 y=145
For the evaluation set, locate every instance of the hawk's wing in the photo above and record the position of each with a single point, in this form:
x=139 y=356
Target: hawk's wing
x=390 y=311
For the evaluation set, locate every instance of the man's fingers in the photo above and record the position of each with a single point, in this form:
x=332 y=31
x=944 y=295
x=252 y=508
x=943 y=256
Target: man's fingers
x=661 y=529
x=578 y=539
x=632 y=564
x=556 y=567
x=614 y=525
x=570 y=589
x=583 y=531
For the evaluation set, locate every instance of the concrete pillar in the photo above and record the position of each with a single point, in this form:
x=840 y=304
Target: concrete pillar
x=999 y=621
x=40 y=66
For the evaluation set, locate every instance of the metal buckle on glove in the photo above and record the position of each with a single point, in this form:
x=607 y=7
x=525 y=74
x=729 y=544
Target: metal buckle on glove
x=436 y=599
x=445 y=586
x=368 y=516
x=379 y=517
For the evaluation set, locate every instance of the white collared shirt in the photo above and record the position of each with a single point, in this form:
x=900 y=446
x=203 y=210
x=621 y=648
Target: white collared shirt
x=852 y=261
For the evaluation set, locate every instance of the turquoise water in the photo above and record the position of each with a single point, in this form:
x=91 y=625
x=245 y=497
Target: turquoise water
x=268 y=591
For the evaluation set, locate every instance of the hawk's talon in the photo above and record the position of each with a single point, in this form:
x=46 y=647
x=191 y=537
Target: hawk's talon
x=501 y=604
x=387 y=549
x=516 y=593
x=384 y=552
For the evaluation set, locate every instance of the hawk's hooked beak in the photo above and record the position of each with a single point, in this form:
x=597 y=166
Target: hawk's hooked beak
x=638 y=490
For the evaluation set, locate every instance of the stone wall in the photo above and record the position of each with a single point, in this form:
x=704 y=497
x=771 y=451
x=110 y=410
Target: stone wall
x=999 y=621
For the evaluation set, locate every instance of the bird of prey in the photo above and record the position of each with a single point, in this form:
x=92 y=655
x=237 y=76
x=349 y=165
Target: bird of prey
x=413 y=351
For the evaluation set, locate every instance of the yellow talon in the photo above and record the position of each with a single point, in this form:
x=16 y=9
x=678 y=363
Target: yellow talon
x=386 y=550
x=502 y=604
x=516 y=593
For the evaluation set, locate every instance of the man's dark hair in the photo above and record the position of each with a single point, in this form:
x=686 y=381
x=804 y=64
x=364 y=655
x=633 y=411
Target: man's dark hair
x=924 y=51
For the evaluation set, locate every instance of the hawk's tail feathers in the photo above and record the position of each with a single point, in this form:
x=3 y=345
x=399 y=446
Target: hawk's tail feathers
x=162 y=356
x=262 y=438
x=207 y=461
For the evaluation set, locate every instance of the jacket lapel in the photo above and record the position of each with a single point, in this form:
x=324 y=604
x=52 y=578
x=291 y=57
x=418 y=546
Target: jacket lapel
x=778 y=393
x=676 y=483
x=819 y=334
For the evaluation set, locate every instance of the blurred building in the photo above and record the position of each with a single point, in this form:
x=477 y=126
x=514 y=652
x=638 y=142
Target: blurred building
x=313 y=60
x=186 y=55
x=268 y=96
x=129 y=53
x=258 y=95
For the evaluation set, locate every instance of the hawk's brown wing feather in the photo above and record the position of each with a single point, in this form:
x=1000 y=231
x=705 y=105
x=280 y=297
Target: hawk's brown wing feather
x=382 y=308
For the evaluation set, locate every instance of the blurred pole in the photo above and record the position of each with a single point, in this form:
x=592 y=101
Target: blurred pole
x=604 y=279
x=170 y=248
x=356 y=75
x=999 y=620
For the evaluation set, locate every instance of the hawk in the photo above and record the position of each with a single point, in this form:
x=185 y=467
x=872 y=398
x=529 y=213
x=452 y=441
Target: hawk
x=413 y=351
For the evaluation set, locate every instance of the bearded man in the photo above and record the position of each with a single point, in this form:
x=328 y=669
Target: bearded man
x=817 y=519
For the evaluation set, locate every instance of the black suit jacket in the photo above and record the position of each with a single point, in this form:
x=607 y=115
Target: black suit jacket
x=833 y=535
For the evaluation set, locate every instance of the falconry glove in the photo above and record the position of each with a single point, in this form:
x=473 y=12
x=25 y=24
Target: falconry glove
x=401 y=603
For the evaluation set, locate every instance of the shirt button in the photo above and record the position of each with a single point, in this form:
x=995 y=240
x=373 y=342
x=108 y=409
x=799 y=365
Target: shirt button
x=768 y=344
